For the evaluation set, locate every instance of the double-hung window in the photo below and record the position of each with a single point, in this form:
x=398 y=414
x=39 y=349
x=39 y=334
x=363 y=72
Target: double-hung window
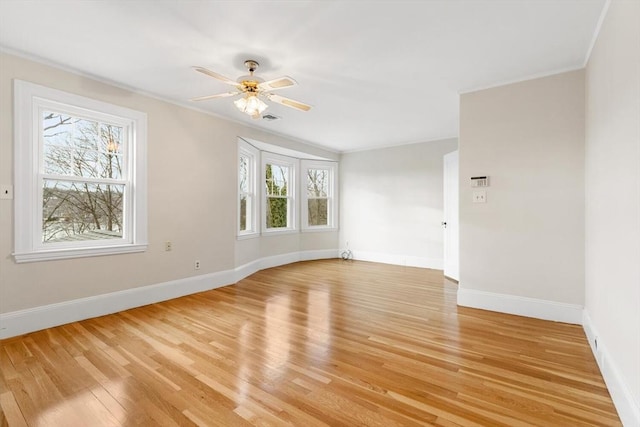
x=247 y=197
x=80 y=176
x=279 y=192
x=318 y=195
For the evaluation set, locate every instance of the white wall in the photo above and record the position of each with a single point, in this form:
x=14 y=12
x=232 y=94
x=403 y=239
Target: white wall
x=613 y=204
x=523 y=250
x=192 y=203
x=391 y=203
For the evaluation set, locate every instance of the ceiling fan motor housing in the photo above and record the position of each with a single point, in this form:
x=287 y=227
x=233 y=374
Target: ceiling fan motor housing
x=251 y=65
x=250 y=82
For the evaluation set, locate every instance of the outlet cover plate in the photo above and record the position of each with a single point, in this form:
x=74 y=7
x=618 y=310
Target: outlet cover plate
x=480 y=196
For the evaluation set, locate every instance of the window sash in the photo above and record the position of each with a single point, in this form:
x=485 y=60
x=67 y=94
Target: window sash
x=99 y=118
x=81 y=114
x=250 y=222
x=326 y=214
x=290 y=164
x=331 y=193
x=126 y=236
x=270 y=220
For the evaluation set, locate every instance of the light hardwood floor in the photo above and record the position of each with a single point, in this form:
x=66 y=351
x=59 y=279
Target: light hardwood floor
x=321 y=343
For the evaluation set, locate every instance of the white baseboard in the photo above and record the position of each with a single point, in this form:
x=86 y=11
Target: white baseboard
x=277 y=260
x=406 y=260
x=521 y=306
x=628 y=409
x=34 y=319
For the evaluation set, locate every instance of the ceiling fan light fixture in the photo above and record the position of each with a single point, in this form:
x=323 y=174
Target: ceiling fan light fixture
x=251 y=87
x=251 y=105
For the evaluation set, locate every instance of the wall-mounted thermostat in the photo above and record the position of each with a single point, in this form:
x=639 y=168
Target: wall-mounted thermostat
x=479 y=181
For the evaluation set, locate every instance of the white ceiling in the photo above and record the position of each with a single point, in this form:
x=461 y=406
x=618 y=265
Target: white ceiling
x=378 y=73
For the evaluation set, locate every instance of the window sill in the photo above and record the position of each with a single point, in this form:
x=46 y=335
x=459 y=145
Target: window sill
x=279 y=232
x=76 y=253
x=247 y=236
x=319 y=229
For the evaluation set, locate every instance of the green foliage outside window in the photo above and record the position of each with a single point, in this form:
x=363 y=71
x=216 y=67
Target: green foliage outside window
x=276 y=212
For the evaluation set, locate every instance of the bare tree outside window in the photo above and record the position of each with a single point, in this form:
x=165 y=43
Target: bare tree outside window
x=244 y=192
x=318 y=196
x=83 y=191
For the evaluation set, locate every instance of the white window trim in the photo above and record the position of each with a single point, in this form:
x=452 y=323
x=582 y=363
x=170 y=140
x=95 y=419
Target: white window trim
x=254 y=156
x=292 y=164
x=332 y=214
x=29 y=98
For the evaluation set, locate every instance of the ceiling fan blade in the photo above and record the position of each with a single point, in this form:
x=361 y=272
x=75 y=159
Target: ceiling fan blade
x=288 y=102
x=219 y=95
x=279 y=83
x=215 y=75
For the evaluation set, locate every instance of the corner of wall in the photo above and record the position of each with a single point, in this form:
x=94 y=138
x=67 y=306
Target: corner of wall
x=628 y=409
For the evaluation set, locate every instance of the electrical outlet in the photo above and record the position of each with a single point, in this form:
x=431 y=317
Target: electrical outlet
x=167 y=246
x=196 y=265
x=480 y=196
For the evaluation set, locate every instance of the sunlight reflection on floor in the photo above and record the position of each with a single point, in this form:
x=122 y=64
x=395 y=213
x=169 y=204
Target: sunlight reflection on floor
x=318 y=322
x=88 y=408
x=277 y=331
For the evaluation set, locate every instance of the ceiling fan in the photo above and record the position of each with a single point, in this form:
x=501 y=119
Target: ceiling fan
x=254 y=88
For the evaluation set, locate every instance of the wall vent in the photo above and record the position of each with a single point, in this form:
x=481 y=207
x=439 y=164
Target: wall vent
x=270 y=117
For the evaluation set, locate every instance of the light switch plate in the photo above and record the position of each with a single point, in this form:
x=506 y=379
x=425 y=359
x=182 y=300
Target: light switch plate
x=480 y=196
x=6 y=192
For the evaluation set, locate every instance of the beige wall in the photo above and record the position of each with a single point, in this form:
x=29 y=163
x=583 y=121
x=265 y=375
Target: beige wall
x=613 y=193
x=191 y=199
x=527 y=239
x=392 y=203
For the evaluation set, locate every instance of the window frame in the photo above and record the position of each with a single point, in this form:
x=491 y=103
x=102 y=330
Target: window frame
x=332 y=195
x=253 y=154
x=29 y=101
x=292 y=209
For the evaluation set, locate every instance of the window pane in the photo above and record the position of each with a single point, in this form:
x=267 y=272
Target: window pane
x=277 y=212
x=317 y=182
x=276 y=180
x=243 y=213
x=244 y=174
x=74 y=211
x=318 y=211
x=79 y=147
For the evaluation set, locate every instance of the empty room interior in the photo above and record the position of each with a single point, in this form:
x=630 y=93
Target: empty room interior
x=319 y=213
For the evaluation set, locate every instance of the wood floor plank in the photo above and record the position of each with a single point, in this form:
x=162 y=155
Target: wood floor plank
x=313 y=344
x=11 y=411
